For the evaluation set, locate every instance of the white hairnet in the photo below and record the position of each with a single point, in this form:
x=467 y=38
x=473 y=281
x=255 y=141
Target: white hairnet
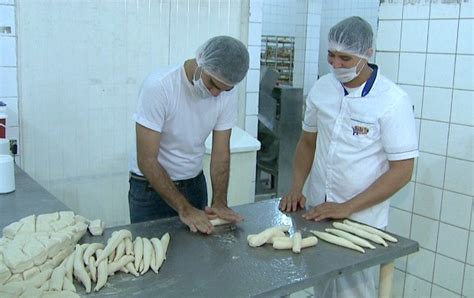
x=224 y=58
x=353 y=36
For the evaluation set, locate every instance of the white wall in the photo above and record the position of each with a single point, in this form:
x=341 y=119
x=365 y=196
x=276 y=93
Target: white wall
x=80 y=67
x=427 y=48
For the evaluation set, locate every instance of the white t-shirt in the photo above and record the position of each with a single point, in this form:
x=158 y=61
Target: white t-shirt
x=168 y=104
x=357 y=136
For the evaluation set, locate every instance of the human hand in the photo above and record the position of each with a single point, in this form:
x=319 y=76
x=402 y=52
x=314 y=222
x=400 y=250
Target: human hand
x=196 y=220
x=328 y=210
x=223 y=212
x=292 y=201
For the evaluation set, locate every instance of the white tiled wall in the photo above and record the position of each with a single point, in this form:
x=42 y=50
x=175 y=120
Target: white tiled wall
x=436 y=61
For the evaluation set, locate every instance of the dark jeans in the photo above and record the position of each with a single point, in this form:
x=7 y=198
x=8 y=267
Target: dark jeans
x=146 y=204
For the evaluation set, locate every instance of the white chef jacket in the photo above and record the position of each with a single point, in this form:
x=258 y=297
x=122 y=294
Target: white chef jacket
x=168 y=103
x=358 y=133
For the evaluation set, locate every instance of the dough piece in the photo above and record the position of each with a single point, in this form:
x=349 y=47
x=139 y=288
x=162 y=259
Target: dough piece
x=96 y=227
x=29 y=225
x=68 y=285
x=111 y=257
x=120 y=251
x=138 y=251
x=60 y=294
x=31 y=292
x=165 y=240
x=27 y=274
x=79 y=270
x=287 y=242
x=297 y=242
x=16 y=260
x=131 y=268
x=81 y=219
x=115 y=266
x=147 y=252
x=92 y=266
x=102 y=273
x=159 y=253
x=372 y=230
x=114 y=242
x=153 y=262
x=57 y=279
x=11 y=230
x=59 y=258
x=337 y=240
x=128 y=246
x=36 y=282
x=360 y=233
x=352 y=238
x=91 y=249
x=219 y=221
x=10 y=291
x=262 y=237
x=35 y=250
x=277 y=234
x=5 y=273
x=70 y=265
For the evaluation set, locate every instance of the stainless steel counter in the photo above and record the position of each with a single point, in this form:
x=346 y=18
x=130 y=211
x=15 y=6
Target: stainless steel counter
x=28 y=198
x=223 y=265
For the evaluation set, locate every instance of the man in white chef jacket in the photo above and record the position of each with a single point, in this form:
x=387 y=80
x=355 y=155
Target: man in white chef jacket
x=357 y=147
x=176 y=112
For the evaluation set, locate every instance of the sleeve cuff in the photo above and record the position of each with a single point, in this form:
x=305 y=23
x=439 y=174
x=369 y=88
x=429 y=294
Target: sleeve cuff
x=148 y=124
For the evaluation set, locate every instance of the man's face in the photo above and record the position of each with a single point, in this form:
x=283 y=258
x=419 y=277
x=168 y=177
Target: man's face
x=213 y=85
x=343 y=60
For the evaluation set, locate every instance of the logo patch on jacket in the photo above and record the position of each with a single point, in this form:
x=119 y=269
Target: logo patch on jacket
x=359 y=130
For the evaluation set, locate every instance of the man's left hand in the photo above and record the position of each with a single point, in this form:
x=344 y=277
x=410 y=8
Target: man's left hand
x=223 y=212
x=328 y=210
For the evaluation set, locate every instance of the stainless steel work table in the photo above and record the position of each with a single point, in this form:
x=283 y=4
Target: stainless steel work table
x=223 y=265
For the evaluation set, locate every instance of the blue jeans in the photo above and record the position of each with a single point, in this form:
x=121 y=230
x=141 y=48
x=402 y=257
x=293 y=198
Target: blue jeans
x=146 y=204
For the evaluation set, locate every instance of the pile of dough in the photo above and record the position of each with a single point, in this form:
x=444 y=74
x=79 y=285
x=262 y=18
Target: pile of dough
x=277 y=237
x=354 y=235
x=96 y=227
x=32 y=248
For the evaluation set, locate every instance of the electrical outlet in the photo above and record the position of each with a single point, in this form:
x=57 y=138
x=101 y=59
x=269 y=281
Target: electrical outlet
x=14 y=146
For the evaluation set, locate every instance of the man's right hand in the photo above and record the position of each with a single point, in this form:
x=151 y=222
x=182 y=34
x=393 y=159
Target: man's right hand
x=196 y=220
x=292 y=201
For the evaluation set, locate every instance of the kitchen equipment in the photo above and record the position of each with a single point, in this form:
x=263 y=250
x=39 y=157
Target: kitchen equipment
x=7 y=174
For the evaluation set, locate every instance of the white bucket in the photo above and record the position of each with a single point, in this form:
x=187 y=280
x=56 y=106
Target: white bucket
x=5 y=146
x=7 y=174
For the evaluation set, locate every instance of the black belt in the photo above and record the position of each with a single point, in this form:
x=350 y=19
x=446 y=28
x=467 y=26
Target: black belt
x=178 y=183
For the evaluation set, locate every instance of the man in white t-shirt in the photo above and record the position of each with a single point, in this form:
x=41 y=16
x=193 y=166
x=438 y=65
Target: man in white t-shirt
x=177 y=110
x=358 y=145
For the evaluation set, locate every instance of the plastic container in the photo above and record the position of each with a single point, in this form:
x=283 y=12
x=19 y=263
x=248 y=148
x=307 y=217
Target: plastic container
x=3 y=120
x=7 y=174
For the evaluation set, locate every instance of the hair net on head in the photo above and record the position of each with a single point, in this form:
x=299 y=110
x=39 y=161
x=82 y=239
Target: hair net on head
x=224 y=58
x=353 y=36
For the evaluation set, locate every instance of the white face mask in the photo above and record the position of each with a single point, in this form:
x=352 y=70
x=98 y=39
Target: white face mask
x=199 y=87
x=345 y=75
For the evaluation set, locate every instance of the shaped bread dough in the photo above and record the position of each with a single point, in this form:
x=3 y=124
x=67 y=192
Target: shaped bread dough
x=219 y=221
x=352 y=238
x=297 y=242
x=287 y=242
x=96 y=227
x=79 y=270
x=128 y=246
x=116 y=266
x=92 y=266
x=91 y=249
x=262 y=237
x=371 y=230
x=70 y=265
x=138 y=251
x=131 y=268
x=276 y=234
x=337 y=240
x=114 y=242
x=35 y=249
x=147 y=253
x=57 y=278
x=158 y=252
x=360 y=233
x=120 y=251
x=165 y=240
x=68 y=285
x=102 y=273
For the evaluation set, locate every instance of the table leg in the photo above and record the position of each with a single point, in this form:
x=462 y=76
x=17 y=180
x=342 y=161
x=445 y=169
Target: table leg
x=386 y=278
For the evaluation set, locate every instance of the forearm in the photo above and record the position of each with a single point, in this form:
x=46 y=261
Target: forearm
x=162 y=183
x=220 y=166
x=383 y=188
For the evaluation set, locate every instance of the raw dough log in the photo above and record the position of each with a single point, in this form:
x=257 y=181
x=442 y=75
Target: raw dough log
x=79 y=270
x=297 y=242
x=165 y=240
x=262 y=237
x=115 y=266
x=128 y=246
x=287 y=242
x=337 y=240
x=138 y=251
x=96 y=227
x=131 y=268
x=68 y=285
x=360 y=233
x=372 y=230
x=147 y=252
x=159 y=253
x=92 y=266
x=57 y=279
x=120 y=251
x=219 y=221
x=352 y=238
x=70 y=265
x=114 y=242
x=276 y=234
x=101 y=272
x=91 y=249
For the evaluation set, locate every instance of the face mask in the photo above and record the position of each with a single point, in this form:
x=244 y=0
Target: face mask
x=199 y=86
x=345 y=75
